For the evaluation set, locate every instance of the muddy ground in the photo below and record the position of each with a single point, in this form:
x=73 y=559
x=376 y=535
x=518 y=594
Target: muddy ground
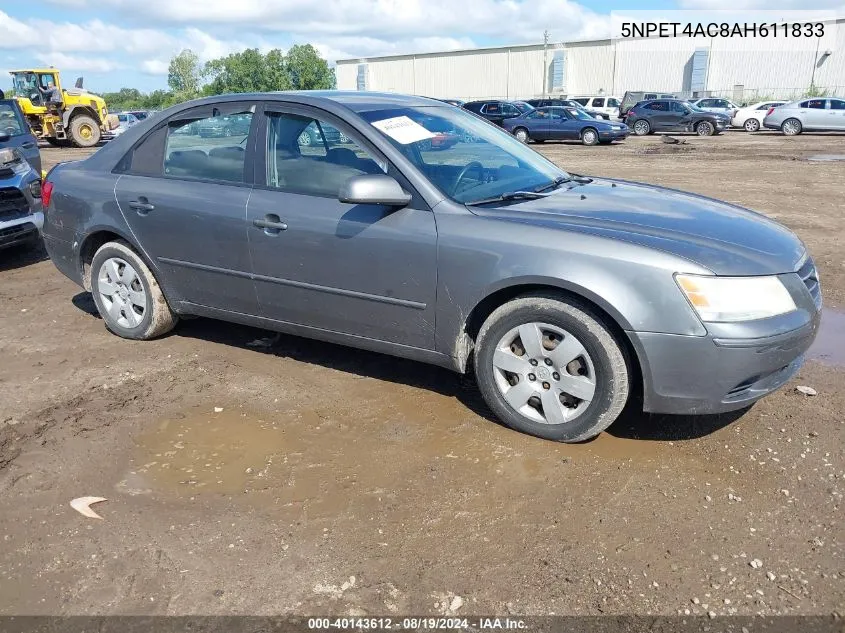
x=307 y=478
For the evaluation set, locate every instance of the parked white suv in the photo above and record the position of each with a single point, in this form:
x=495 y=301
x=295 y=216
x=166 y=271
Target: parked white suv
x=608 y=105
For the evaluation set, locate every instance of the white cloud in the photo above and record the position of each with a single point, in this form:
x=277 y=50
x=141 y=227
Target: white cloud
x=154 y=66
x=77 y=63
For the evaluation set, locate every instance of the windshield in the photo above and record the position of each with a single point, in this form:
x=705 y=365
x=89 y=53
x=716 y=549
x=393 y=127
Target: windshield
x=11 y=123
x=578 y=113
x=474 y=161
x=692 y=106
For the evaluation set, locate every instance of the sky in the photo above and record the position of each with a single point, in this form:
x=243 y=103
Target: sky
x=117 y=43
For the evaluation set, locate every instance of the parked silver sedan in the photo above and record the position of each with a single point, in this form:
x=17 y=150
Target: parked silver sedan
x=820 y=114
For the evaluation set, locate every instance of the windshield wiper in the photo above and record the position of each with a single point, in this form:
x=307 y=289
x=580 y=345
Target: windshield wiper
x=554 y=184
x=511 y=195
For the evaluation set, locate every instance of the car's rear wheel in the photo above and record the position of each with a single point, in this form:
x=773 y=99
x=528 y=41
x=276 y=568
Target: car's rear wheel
x=305 y=140
x=521 y=134
x=791 y=127
x=705 y=128
x=550 y=367
x=589 y=136
x=751 y=125
x=642 y=127
x=127 y=294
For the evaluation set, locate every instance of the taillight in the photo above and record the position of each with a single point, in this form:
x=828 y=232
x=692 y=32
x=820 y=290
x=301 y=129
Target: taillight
x=46 y=193
x=770 y=111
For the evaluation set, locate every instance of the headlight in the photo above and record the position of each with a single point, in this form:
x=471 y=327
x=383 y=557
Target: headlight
x=736 y=298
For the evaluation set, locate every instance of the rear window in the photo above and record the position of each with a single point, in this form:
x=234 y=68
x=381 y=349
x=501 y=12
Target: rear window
x=11 y=123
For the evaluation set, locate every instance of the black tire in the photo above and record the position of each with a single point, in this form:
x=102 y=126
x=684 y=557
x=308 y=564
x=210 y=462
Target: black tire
x=522 y=135
x=642 y=127
x=791 y=127
x=705 y=128
x=84 y=131
x=608 y=360
x=590 y=136
x=751 y=125
x=158 y=318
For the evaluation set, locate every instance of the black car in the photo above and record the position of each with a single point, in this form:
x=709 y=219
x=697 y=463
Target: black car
x=15 y=132
x=566 y=103
x=497 y=111
x=673 y=115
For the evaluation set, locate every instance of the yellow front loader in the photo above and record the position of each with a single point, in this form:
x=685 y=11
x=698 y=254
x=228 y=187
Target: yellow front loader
x=60 y=116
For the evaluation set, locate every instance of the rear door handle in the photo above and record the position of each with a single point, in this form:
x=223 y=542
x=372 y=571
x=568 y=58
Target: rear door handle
x=141 y=206
x=271 y=224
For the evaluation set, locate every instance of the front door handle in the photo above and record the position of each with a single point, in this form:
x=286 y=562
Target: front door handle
x=271 y=223
x=141 y=206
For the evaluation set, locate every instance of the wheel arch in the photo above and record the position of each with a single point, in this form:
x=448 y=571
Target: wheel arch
x=498 y=296
x=76 y=110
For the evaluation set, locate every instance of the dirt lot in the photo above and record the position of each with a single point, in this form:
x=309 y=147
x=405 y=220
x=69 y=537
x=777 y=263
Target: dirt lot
x=307 y=478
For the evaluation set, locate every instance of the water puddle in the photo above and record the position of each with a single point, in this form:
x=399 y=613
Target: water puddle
x=319 y=459
x=829 y=346
x=826 y=157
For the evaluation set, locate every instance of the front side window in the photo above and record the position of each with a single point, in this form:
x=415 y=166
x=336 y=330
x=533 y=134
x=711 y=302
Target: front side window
x=598 y=103
x=11 y=123
x=213 y=148
x=837 y=104
x=612 y=103
x=508 y=109
x=473 y=161
x=677 y=106
x=309 y=156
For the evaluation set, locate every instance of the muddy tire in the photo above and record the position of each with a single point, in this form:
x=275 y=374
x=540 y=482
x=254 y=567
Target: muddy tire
x=127 y=294
x=550 y=367
x=84 y=131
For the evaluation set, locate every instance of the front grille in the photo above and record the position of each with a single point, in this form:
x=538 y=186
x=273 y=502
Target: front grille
x=810 y=277
x=13 y=204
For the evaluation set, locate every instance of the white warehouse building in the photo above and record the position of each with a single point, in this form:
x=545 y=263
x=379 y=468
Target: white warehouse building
x=736 y=68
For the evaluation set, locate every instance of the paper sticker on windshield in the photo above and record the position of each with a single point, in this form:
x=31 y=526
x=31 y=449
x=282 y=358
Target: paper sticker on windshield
x=403 y=130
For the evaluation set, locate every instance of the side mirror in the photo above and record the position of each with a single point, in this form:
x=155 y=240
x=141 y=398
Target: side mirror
x=374 y=189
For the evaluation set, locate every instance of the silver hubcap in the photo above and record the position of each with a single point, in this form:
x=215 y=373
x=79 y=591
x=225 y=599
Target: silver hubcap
x=304 y=139
x=121 y=292
x=522 y=135
x=589 y=137
x=751 y=125
x=544 y=373
x=641 y=127
x=790 y=127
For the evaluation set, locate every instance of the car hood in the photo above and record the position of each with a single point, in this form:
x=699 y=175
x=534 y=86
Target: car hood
x=726 y=239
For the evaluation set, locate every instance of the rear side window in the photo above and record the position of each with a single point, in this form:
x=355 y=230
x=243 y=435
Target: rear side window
x=213 y=148
x=816 y=104
x=657 y=105
x=473 y=107
x=581 y=100
x=491 y=108
x=598 y=103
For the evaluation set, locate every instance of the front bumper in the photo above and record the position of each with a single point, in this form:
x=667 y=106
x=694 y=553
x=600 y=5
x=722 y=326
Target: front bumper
x=20 y=230
x=614 y=135
x=734 y=365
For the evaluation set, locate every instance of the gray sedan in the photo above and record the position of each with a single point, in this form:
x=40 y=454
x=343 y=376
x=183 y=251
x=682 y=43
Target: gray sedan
x=565 y=296
x=818 y=114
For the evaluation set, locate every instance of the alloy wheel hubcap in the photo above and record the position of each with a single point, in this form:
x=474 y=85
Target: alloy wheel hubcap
x=121 y=292
x=544 y=373
x=790 y=127
x=522 y=136
x=641 y=127
x=589 y=137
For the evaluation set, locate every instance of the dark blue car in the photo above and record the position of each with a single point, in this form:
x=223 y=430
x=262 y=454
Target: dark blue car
x=564 y=124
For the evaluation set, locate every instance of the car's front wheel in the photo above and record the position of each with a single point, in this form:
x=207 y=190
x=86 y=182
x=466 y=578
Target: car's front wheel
x=589 y=136
x=127 y=294
x=642 y=127
x=521 y=134
x=550 y=367
x=705 y=128
x=751 y=125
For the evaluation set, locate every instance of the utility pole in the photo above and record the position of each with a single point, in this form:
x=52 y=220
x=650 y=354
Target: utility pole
x=545 y=62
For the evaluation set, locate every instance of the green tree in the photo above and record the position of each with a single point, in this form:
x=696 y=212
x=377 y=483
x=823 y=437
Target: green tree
x=184 y=75
x=307 y=70
x=247 y=71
